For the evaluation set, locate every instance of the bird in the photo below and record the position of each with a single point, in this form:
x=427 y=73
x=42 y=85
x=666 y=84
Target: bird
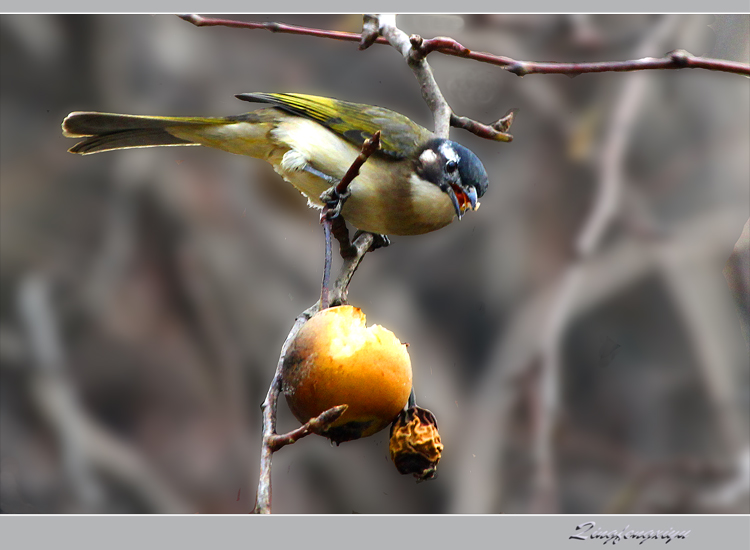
x=415 y=183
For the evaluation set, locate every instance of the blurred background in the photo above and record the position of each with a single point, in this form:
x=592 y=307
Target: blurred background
x=145 y=294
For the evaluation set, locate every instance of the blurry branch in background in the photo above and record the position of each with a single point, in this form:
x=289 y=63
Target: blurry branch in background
x=670 y=475
x=737 y=274
x=733 y=489
x=556 y=306
x=223 y=349
x=678 y=59
x=479 y=486
x=86 y=446
x=603 y=213
x=699 y=294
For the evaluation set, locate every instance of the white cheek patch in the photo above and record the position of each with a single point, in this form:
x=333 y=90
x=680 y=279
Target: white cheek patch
x=428 y=156
x=449 y=152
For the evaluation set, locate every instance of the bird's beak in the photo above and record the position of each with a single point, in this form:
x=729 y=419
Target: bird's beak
x=471 y=194
x=463 y=199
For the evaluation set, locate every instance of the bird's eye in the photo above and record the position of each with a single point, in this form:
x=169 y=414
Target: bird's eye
x=451 y=166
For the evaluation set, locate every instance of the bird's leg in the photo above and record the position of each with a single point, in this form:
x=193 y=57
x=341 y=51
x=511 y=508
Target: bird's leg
x=322 y=175
x=333 y=197
x=333 y=200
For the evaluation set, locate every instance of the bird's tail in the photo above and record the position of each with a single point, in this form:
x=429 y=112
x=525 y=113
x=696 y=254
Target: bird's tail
x=107 y=131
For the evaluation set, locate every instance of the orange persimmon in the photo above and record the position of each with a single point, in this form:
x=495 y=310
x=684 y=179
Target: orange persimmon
x=335 y=360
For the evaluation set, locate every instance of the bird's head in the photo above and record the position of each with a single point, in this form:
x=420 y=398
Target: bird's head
x=455 y=170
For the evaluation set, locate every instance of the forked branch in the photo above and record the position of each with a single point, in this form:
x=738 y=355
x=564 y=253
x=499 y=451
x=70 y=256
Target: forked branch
x=678 y=59
x=272 y=441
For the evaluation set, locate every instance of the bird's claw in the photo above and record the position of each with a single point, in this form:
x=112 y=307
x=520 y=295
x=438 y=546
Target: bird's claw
x=334 y=201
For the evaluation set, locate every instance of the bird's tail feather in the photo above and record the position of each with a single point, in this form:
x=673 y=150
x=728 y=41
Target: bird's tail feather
x=107 y=131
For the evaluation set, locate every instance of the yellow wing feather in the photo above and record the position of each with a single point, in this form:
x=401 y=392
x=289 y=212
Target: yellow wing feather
x=355 y=122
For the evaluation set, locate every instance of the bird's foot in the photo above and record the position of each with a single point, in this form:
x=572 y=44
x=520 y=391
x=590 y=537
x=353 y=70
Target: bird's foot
x=334 y=201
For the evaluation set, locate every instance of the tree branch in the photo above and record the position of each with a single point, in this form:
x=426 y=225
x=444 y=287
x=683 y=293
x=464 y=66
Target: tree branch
x=678 y=59
x=272 y=441
x=331 y=220
x=368 y=148
x=320 y=422
x=200 y=21
x=268 y=410
x=382 y=29
x=408 y=47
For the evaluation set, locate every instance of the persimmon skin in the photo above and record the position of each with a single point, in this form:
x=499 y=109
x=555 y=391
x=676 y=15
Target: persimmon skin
x=336 y=360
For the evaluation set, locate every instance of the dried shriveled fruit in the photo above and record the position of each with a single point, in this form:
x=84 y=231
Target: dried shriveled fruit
x=415 y=444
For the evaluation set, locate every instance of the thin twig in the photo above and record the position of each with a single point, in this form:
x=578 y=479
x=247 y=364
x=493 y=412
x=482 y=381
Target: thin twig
x=268 y=410
x=496 y=130
x=360 y=246
x=370 y=145
x=314 y=425
x=330 y=215
x=678 y=59
x=200 y=21
x=341 y=233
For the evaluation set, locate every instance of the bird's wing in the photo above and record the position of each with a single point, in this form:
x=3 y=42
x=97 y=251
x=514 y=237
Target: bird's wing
x=355 y=122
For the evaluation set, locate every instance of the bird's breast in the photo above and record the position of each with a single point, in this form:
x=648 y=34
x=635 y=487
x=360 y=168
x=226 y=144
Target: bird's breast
x=387 y=197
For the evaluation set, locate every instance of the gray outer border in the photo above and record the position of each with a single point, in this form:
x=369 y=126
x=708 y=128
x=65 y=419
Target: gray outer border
x=355 y=532
x=382 y=6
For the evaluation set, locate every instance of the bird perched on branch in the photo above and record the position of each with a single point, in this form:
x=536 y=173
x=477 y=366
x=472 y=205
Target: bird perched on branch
x=415 y=183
